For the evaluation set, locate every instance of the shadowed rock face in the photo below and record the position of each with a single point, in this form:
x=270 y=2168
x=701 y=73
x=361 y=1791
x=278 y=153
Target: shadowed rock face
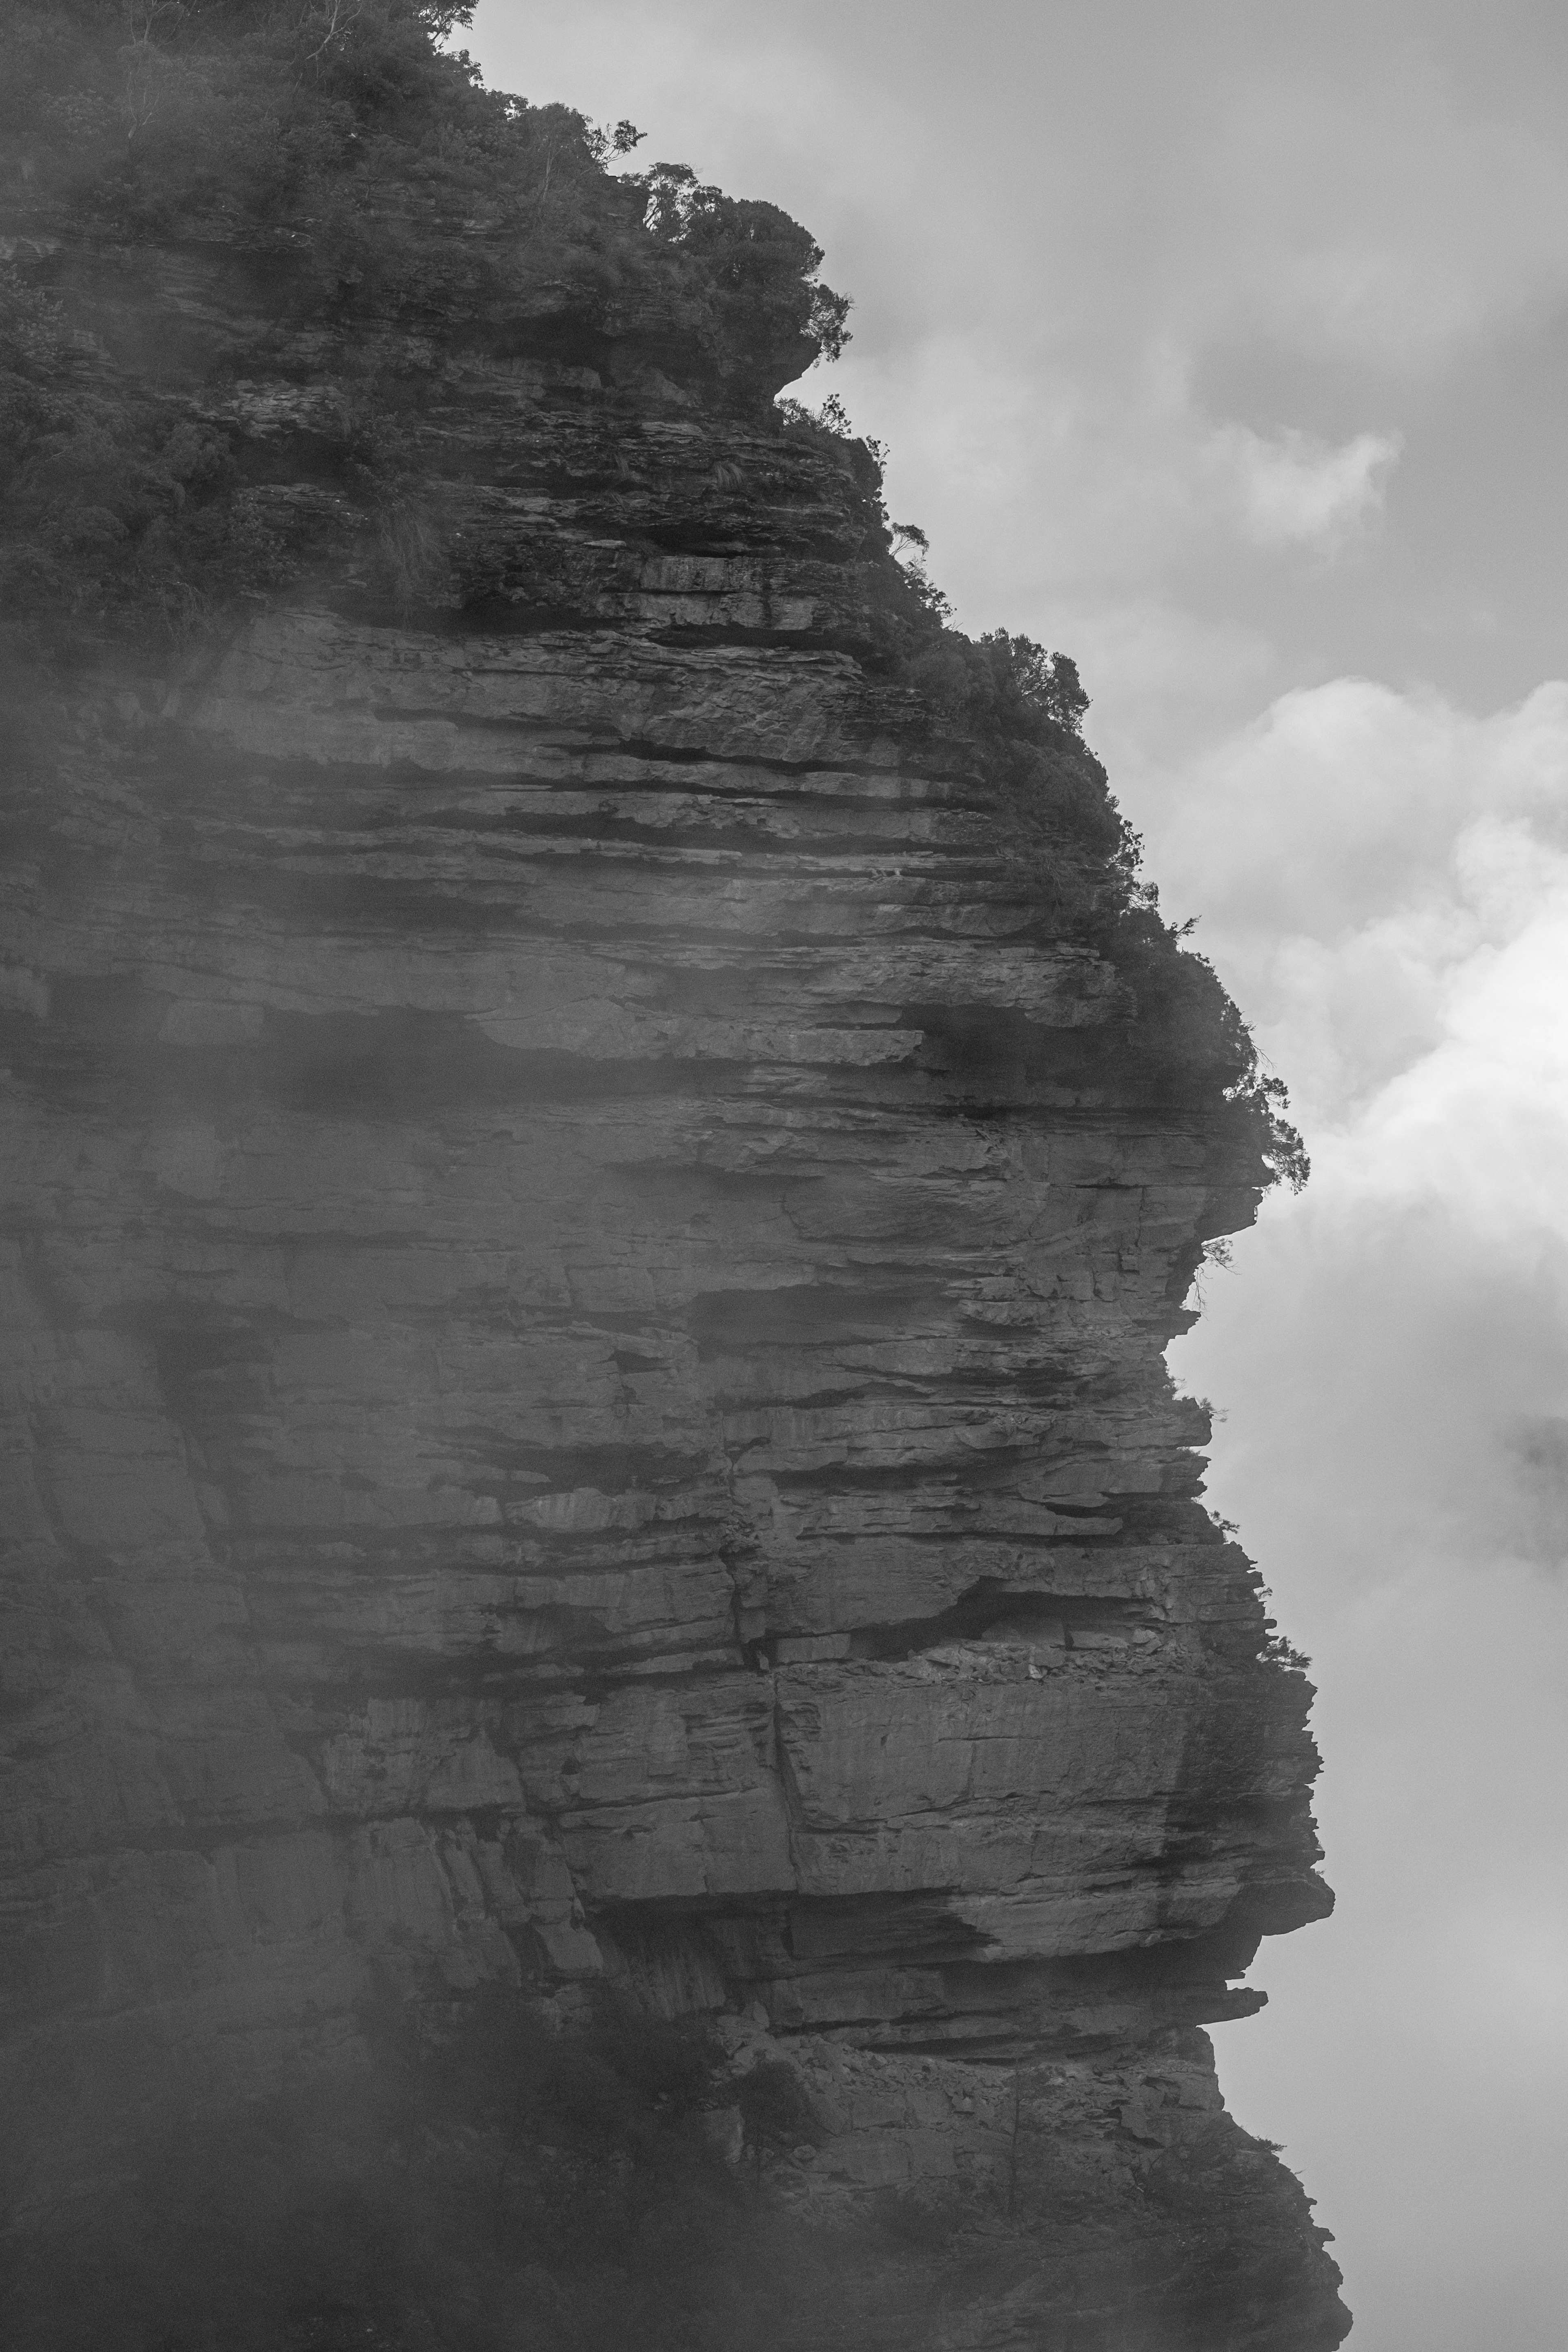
x=593 y=1217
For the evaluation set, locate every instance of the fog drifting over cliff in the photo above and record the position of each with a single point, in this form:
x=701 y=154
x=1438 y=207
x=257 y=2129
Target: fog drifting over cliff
x=1223 y=349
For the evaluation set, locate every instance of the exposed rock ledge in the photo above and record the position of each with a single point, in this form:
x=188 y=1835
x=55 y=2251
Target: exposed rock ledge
x=592 y=1213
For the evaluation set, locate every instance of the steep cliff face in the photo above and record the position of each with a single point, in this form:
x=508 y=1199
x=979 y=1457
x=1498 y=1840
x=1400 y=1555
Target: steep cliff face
x=597 y=1181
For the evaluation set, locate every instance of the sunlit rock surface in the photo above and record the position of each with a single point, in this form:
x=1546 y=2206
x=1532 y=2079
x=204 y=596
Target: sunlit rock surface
x=591 y=1225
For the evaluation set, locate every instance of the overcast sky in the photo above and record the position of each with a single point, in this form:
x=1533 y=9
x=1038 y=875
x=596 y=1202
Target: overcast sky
x=1225 y=346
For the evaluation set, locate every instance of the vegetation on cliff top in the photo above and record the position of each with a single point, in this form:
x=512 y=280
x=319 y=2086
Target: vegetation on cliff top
x=361 y=182
x=206 y=191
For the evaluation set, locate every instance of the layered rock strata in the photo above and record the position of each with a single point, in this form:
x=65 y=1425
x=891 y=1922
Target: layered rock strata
x=593 y=1215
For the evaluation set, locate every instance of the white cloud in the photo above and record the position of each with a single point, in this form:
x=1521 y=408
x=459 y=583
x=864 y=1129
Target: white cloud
x=1387 y=885
x=1292 y=489
x=1383 y=880
x=1387 y=881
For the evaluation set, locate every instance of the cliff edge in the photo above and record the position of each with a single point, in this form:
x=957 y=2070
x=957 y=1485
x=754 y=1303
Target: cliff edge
x=602 y=1149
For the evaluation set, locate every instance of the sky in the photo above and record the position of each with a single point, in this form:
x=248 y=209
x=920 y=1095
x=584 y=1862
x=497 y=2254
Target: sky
x=1225 y=346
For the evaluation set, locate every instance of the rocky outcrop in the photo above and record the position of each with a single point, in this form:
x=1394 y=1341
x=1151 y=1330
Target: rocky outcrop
x=597 y=1182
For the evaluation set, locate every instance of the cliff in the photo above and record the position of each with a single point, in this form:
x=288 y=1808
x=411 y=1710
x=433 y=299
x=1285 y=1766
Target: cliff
x=601 y=1154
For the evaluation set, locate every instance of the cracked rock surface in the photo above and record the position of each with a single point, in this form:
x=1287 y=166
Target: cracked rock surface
x=593 y=1209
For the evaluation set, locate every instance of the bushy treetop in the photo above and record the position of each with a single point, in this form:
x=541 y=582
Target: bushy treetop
x=351 y=178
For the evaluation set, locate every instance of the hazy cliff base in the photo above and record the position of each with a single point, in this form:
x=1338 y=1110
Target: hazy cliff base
x=594 y=1223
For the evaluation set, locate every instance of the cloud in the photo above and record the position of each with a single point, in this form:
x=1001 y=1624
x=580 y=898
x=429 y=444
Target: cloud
x=1383 y=880
x=1386 y=883
x=1386 y=880
x=1291 y=489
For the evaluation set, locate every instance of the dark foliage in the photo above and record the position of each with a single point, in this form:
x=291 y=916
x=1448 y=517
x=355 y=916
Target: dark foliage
x=342 y=177
x=757 y=257
x=1187 y=1028
x=114 y=507
x=1048 y=683
x=999 y=684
